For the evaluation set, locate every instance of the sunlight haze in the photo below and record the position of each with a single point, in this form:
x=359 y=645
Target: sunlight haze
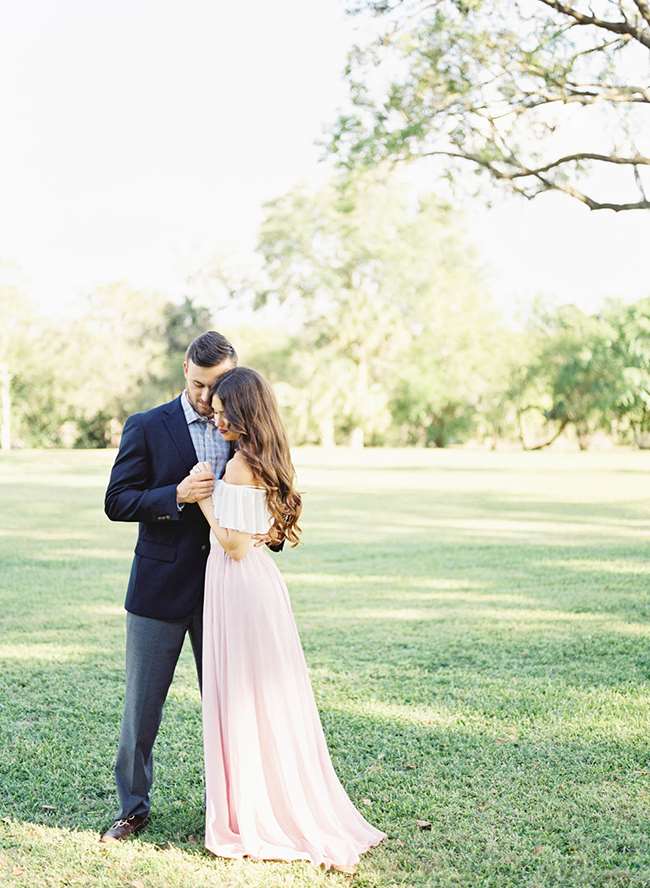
x=142 y=138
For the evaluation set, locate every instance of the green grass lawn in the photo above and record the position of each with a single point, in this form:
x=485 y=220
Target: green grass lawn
x=477 y=627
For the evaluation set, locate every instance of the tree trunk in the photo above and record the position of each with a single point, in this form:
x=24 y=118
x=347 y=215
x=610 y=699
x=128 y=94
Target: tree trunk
x=583 y=436
x=641 y=436
x=326 y=427
x=563 y=425
x=357 y=438
x=6 y=407
x=357 y=434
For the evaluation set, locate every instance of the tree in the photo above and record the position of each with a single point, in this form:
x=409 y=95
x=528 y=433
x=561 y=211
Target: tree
x=632 y=349
x=497 y=417
x=16 y=330
x=498 y=85
x=109 y=356
x=180 y=324
x=393 y=312
x=91 y=370
x=573 y=379
x=449 y=375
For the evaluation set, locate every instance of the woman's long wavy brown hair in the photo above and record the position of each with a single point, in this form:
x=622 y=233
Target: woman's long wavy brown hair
x=251 y=409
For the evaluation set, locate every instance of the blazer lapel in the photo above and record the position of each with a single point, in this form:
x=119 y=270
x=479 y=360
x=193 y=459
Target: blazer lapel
x=176 y=424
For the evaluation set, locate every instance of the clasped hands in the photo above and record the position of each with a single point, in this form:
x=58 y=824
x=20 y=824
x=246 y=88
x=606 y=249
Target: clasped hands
x=199 y=485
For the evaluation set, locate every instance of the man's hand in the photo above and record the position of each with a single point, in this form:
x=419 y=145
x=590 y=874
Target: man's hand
x=198 y=485
x=261 y=539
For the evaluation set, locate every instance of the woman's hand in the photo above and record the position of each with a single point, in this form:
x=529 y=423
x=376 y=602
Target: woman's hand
x=197 y=486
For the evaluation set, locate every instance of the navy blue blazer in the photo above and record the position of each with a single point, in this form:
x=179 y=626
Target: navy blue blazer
x=168 y=571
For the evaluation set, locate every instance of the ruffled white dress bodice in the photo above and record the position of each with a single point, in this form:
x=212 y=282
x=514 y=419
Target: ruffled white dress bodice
x=241 y=507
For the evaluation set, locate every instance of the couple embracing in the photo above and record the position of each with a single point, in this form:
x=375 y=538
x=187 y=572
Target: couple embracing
x=210 y=480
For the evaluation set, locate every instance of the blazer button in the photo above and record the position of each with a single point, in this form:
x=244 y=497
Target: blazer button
x=203 y=547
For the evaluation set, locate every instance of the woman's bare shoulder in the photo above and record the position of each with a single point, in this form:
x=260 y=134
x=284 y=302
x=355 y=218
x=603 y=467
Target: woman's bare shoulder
x=238 y=471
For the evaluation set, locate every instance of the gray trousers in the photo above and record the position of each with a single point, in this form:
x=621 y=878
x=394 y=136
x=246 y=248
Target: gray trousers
x=152 y=651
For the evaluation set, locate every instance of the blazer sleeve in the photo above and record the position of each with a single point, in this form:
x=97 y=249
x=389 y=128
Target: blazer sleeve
x=128 y=496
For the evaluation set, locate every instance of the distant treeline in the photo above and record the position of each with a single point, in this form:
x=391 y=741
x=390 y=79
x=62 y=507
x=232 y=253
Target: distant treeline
x=569 y=372
x=392 y=342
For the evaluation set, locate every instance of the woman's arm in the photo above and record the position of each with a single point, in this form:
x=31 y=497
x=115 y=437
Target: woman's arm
x=235 y=543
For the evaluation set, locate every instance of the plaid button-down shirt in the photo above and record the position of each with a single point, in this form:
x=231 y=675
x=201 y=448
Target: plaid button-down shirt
x=209 y=445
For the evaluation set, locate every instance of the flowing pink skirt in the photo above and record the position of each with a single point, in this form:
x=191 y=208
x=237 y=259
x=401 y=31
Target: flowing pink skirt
x=272 y=792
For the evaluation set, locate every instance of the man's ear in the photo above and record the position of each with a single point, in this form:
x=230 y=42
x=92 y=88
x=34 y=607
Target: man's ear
x=185 y=368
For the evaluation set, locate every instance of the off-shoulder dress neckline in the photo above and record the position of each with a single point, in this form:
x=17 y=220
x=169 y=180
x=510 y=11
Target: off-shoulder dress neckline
x=250 y=486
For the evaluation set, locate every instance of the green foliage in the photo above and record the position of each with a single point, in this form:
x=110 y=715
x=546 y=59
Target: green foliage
x=586 y=372
x=374 y=326
x=396 y=332
x=494 y=87
x=632 y=349
x=180 y=325
x=75 y=382
x=105 y=356
x=576 y=370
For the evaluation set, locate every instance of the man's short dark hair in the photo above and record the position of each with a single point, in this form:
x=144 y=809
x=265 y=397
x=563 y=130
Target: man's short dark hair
x=210 y=349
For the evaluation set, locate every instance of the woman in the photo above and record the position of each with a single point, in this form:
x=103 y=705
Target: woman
x=271 y=789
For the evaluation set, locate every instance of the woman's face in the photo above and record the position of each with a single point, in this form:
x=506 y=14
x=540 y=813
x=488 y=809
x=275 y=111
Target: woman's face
x=221 y=422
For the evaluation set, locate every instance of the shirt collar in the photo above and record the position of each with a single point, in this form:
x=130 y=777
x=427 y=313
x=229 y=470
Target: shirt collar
x=190 y=413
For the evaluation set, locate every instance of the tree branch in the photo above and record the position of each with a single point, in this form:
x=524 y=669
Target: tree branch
x=583 y=155
x=622 y=26
x=470 y=95
x=563 y=424
x=523 y=172
x=590 y=202
x=644 y=9
x=639 y=183
x=615 y=43
x=584 y=97
x=549 y=185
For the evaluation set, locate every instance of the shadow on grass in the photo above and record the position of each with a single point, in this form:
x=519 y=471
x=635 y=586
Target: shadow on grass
x=494 y=791
x=487 y=678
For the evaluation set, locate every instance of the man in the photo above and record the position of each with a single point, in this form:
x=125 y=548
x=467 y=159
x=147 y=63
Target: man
x=151 y=483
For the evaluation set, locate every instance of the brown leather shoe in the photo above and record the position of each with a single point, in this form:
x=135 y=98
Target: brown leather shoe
x=122 y=829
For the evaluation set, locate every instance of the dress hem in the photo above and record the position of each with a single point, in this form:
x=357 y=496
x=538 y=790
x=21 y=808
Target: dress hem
x=300 y=856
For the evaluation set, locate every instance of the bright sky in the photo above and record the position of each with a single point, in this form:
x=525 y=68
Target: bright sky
x=141 y=137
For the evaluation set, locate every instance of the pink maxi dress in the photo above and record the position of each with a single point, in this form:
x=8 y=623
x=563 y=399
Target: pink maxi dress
x=271 y=789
